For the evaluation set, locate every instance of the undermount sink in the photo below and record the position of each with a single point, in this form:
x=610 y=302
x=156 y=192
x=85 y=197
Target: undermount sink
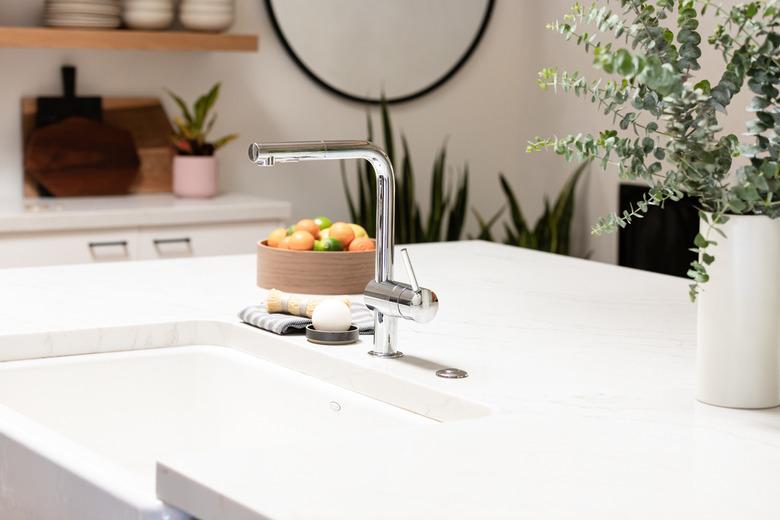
x=91 y=428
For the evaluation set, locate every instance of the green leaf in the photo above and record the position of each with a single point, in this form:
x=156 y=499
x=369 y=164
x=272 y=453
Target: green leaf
x=514 y=208
x=543 y=230
x=513 y=239
x=485 y=227
x=348 y=193
x=364 y=195
x=438 y=204
x=457 y=215
x=222 y=141
x=563 y=212
x=387 y=130
x=704 y=86
x=182 y=106
x=203 y=105
x=405 y=203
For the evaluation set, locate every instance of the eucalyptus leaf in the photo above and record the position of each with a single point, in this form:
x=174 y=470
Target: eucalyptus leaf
x=678 y=114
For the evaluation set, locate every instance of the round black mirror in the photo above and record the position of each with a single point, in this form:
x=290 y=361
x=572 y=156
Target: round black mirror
x=360 y=49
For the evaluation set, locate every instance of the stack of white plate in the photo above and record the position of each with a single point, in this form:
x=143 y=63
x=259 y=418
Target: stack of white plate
x=148 y=14
x=207 y=15
x=95 y=14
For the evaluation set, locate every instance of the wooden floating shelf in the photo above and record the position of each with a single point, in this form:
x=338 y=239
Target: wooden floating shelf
x=124 y=39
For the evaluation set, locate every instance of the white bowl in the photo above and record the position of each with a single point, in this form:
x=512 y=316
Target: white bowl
x=207 y=6
x=209 y=22
x=98 y=3
x=82 y=8
x=148 y=19
x=217 y=6
x=217 y=11
x=145 y=11
x=149 y=5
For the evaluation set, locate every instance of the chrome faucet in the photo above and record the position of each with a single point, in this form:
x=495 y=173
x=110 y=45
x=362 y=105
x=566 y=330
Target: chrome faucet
x=388 y=299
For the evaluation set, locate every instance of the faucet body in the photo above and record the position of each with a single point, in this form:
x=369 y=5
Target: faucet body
x=388 y=299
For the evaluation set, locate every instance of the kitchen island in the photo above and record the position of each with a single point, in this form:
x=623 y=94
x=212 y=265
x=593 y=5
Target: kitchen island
x=579 y=401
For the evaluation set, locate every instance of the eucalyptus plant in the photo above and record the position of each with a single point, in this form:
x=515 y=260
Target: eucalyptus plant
x=668 y=118
x=448 y=201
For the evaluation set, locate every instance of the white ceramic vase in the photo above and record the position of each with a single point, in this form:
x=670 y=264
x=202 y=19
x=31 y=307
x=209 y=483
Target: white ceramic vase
x=738 y=357
x=195 y=176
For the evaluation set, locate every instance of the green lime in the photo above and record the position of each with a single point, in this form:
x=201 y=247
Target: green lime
x=323 y=222
x=328 y=244
x=290 y=230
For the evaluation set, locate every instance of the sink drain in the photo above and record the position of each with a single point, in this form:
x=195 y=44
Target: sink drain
x=452 y=373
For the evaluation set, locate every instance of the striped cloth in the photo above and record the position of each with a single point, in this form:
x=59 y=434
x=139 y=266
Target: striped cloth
x=258 y=316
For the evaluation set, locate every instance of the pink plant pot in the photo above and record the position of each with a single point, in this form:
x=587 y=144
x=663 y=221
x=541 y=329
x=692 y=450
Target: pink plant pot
x=195 y=176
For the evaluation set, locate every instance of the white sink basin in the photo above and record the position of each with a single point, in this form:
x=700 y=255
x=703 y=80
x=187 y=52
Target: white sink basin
x=81 y=434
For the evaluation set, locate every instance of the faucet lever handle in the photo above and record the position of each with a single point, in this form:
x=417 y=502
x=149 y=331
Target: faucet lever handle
x=409 y=270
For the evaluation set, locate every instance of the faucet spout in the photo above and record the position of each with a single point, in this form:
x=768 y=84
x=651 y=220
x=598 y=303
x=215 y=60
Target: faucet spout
x=269 y=154
x=385 y=316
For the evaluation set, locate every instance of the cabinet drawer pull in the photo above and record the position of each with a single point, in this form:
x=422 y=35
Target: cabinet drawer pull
x=160 y=241
x=166 y=247
x=109 y=254
x=115 y=243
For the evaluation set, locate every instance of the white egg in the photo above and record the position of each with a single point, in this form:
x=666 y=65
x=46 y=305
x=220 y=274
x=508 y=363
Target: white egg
x=332 y=315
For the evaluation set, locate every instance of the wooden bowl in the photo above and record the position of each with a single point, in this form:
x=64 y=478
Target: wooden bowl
x=314 y=272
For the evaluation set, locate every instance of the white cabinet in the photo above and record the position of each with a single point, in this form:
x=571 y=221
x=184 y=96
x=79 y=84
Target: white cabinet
x=77 y=231
x=35 y=249
x=206 y=240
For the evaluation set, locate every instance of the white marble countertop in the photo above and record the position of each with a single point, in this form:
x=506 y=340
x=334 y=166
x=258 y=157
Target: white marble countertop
x=137 y=211
x=588 y=368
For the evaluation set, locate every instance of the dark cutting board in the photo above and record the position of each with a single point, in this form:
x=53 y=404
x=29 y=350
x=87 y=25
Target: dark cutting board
x=150 y=128
x=80 y=157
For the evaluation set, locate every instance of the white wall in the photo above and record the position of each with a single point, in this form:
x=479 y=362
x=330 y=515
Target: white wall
x=487 y=111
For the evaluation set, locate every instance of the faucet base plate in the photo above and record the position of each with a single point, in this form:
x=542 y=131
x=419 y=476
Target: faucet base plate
x=391 y=355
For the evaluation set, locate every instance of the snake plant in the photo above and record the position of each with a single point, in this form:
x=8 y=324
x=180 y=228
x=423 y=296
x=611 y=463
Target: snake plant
x=551 y=232
x=448 y=200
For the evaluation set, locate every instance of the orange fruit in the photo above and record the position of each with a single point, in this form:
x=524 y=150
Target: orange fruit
x=362 y=244
x=285 y=243
x=276 y=237
x=301 y=241
x=343 y=233
x=308 y=225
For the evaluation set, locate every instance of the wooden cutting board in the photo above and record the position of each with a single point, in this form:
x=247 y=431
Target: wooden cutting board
x=81 y=157
x=150 y=128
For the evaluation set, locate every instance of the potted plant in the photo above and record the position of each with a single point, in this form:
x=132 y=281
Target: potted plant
x=195 y=168
x=668 y=133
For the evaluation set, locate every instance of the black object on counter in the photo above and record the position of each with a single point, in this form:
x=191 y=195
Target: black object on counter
x=661 y=241
x=324 y=337
x=55 y=109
